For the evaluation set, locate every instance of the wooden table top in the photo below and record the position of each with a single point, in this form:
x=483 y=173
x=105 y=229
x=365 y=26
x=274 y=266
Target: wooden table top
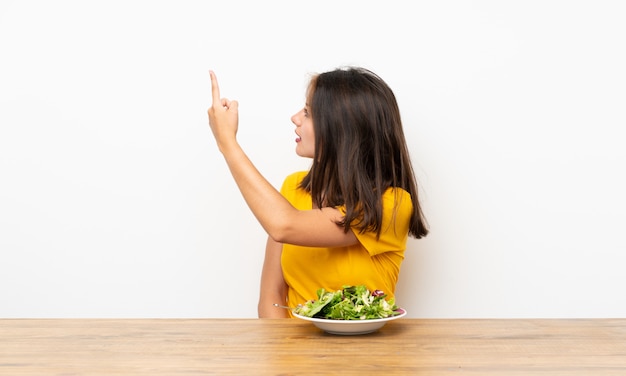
x=432 y=347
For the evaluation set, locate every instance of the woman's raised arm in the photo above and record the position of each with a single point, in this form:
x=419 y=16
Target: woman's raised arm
x=282 y=222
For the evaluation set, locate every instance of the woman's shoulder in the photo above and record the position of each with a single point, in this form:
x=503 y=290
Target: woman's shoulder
x=398 y=197
x=291 y=190
x=292 y=181
x=396 y=192
x=295 y=177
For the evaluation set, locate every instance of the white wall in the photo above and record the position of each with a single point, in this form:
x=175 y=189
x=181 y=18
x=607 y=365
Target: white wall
x=114 y=201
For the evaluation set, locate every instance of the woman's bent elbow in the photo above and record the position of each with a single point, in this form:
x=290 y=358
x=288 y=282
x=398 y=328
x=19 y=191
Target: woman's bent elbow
x=279 y=236
x=280 y=232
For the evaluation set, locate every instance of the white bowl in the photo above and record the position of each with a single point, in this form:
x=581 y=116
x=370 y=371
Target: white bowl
x=351 y=327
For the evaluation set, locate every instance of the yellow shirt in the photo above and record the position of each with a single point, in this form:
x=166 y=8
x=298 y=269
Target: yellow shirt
x=372 y=262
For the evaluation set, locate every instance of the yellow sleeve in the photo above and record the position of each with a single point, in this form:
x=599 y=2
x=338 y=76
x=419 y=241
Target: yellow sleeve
x=397 y=209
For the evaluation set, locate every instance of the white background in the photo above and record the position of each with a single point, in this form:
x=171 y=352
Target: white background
x=114 y=201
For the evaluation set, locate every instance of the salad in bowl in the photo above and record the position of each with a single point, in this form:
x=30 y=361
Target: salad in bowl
x=350 y=310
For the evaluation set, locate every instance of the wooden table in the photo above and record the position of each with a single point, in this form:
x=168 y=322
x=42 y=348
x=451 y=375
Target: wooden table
x=432 y=347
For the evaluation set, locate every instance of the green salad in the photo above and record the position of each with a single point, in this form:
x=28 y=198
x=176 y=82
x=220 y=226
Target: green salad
x=349 y=303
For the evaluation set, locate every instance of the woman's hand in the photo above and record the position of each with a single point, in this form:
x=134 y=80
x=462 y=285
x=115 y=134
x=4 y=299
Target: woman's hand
x=223 y=116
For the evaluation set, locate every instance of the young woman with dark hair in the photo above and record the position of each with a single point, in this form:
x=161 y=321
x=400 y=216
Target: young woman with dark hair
x=346 y=220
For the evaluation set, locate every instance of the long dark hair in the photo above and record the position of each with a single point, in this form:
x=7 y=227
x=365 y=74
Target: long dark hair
x=360 y=148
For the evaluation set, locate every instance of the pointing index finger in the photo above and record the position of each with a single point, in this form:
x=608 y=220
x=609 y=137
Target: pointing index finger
x=215 y=89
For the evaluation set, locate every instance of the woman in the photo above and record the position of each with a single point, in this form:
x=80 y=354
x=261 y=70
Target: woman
x=345 y=221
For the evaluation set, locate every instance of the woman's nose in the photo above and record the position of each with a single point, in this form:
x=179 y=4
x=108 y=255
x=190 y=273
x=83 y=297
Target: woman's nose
x=295 y=119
